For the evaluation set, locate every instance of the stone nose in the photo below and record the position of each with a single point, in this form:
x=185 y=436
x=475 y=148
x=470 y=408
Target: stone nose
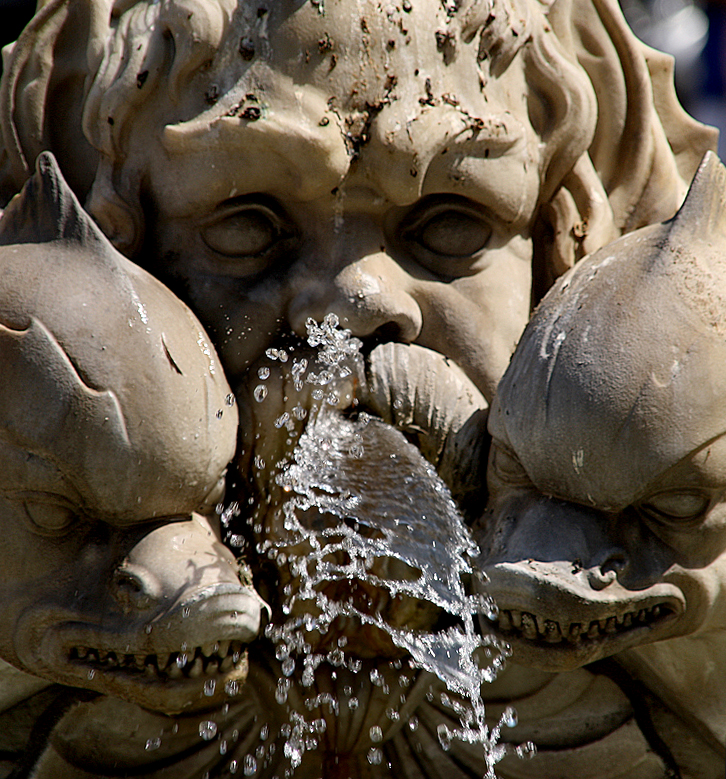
x=370 y=295
x=135 y=588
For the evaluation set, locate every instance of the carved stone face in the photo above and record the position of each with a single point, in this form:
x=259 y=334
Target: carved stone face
x=350 y=169
x=606 y=527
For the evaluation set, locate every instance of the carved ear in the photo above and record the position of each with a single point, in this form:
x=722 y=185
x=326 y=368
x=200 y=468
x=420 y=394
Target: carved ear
x=47 y=210
x=702 y=217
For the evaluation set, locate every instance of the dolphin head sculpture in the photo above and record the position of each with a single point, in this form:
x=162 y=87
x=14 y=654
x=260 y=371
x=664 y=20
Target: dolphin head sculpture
x=606 y=526
x=116 y=426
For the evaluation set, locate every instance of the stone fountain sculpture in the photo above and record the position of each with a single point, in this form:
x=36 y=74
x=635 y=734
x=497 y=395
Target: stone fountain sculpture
x=613 y=543
x=424 y=170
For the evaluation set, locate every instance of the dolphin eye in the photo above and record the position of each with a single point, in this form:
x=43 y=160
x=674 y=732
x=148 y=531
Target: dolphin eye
x=676 y=505
x=49 y=517
x=507 y=467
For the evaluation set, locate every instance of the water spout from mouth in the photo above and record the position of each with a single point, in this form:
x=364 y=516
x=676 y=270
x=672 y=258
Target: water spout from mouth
x=372 y=554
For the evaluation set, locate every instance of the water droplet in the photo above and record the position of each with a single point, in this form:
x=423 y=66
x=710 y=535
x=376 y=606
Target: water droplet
x=260 y=393
x=320 y=725
x=207 y=730
x=148 y=629
x=181 y=659
x=223 y=747
x=375 y=756
x=413 y=724
x=229 y=400
x=510 y=717
x=264 y=732
x=233 y=766
x=393 y=715
x=282 y=355
x=152 y=744
x=376 y=734
x=444 y=735
x=91 y=673
x=375 y=675
x=209 y=687
x=353 y=704
x=220 y=413
x=231 y=687
x=250 y=765
x=263 y=373
x=527 y=750
x=185 y=612
x=271 y=354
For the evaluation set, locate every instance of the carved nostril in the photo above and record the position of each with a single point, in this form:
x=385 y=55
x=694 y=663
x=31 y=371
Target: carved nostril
x=133 y=591
x=605 y=573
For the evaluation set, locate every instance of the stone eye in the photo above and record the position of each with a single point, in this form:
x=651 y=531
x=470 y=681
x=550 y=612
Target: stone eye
x=447 y=236
x=454 y=234
x=507 y=467
x=676 y=505
x=247 y=237
x=49 y=517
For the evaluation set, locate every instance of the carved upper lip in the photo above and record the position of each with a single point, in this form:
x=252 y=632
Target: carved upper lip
x=559 y=627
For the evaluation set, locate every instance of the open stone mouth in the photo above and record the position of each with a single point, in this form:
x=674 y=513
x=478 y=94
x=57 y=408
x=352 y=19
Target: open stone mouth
x=533 y=627
x=219 y=657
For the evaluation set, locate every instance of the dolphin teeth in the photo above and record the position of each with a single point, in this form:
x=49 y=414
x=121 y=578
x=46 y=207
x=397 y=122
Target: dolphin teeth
x=212 y=667
x=541 y=622
x=611 y=626
x=593 y=630
x=529 y=627
x=575 y=632
x=81 y=652
x=162 y=660
x=553 y=635
x=150 y=671
x=516 y=619
x=505 y=621
x=196 y=669
x=628 y=619
x=208 y=649
x=140 y=661
x=223 y=650
x=227 y=664
x=174 y=671
x=111 y=659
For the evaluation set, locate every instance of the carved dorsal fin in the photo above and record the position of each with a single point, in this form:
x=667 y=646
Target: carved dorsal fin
x=46 y=209
x=702 y=217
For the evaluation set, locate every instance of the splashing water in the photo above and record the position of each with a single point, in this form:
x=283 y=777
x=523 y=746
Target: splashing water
x=367 y=535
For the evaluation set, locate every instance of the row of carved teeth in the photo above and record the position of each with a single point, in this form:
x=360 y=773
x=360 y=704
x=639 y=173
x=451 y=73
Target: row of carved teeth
x=210 y=659
x=537 y=628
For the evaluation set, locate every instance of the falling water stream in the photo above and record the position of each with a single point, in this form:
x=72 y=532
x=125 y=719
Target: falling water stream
x=374 y=558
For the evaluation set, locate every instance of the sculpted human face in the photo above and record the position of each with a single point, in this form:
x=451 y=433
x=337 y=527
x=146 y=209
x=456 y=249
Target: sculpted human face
x=350 y=169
